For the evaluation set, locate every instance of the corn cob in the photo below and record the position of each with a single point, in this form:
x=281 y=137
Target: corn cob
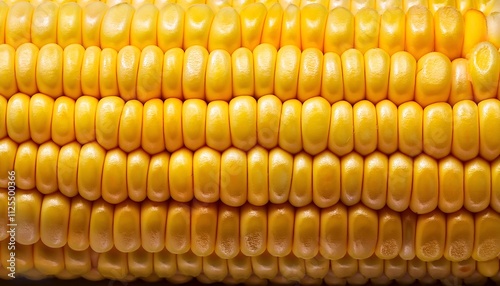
x=288 y=73
x=311 y=26
x=376 y=159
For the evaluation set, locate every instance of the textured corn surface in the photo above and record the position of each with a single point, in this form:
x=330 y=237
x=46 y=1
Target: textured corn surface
x=465 y=130
x=485 y=6
x=359 y=231
x=287 y=72
x=336 y=142
x=259 y=176
x=38 y=261
x=144 y=239
x=417 y=29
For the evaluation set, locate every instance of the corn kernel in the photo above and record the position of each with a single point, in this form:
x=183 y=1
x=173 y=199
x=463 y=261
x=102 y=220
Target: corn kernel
x=433 y=81
x=18 y=24
x=333 y=233
x=46 y=168
x=90 y=72
x=48 y=261
x=366 y=29
x=326 y=179
x=290 y=126
x=449 y=32
x=287 y=72
x=193 y=72
x=170 y=27
x=392 y=30
x=376 y=74
x=69 y=24
x=461 y=86
x=253 y=230
x=63 y=126
x=225 y=31
x=233 y=177
x=178 y=230
x=258 y=180
x=486 y=236
x=281 y=226
x=429 y=246
x=180 y=175
x=351 y=179
x=315 y=125
x=149 y=74
x=264 y=57
x=67 y=172
x=459 y=236
x=409 y=225
x=399 y=182
x=310 y=71
x=372 y=267
x=271 y=32
x=362 y=231
x=78 y=229
x=291 y=27
x=353 y=71
x=92 y=15
x=158 y=189
x=24 y=165
x=313 y=19
x=484 y=70
x=115 y=26
x=143 y=28
x=227 y=244
x=332 y=85
x=475 y=27
x=90 y=170
x=172 y=124
x=203 y=231
x=489 y=116
x=451 y=184
x=197 y=22
x=28 y=210
x=101 y=228
x=206 y=174
x=219 y=76
x=114 y=187
x=375 y=173
x=402 y=77
x=140 y=264
x=419 y=32
x=301 y=187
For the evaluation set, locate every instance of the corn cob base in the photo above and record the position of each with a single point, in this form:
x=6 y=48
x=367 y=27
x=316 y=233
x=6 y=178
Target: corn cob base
x=71 y=238
x=38 y=262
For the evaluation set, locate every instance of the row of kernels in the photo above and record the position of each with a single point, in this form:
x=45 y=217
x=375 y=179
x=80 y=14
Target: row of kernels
x=417 y=30
x=207 y=228
x=288 y=73
x=484 y=6
x=38 y=261
x=465 y=130
x=258 y=177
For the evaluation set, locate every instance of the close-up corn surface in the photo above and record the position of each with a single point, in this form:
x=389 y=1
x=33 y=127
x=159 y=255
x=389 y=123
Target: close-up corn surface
x=257 y=142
